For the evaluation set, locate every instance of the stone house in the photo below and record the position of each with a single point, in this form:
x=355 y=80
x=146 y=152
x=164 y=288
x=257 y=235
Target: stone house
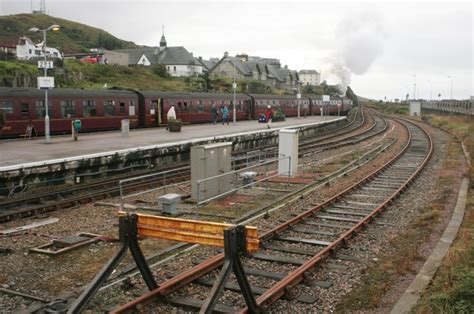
x=177 y=60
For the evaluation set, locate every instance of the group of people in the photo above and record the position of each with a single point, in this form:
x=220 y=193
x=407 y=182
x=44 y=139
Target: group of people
x=171 y=115
x=215 y=114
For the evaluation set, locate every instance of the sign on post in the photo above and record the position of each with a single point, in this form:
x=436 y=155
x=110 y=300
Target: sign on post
x=45 y=64
x=45 y=82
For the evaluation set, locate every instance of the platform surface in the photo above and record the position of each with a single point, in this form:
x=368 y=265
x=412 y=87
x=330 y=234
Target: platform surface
x=23 y=151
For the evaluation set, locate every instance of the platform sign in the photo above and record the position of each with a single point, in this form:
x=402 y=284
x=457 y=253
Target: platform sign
x=45 y=64
x=45 y=82
x=326 y=98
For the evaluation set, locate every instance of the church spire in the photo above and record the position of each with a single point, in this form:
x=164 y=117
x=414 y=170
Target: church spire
x=163 y=39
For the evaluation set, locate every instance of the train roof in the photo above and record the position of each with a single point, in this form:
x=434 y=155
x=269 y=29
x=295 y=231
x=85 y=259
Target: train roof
x=63 y=92
x=265 y=96
x=192 y=95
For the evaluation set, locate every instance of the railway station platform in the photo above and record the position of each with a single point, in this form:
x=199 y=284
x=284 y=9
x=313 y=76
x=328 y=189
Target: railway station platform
x=32 y=160
x=21 y=152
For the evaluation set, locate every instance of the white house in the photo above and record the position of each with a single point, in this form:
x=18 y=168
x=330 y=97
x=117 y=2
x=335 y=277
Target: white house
x=26 y=50
x=177 y=60
x=309 y=77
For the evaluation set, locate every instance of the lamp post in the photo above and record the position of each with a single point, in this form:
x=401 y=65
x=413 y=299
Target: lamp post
x=431 y=90
x=234 y=86
x=451 y=86
x=298 y=96
x=53 y=27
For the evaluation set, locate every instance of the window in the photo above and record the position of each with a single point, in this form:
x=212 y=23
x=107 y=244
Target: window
x=37 y=52
x=191 y=107
x=131 y=108
x=174 y=68
x=25 y=110
x=153 y=106
x=29 y=51
x=200 y=106
x=122 y=107
x=186 y=107
x=6 y=106
x=40 y=113
x=109 y=107
x=68 y=108
x=90 y=109
x=180 y=107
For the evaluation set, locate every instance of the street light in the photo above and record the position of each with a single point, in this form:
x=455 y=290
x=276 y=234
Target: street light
x=431 y=90
x=53 y=28
x=298 y=96
x=451 y=86
x=234 y=86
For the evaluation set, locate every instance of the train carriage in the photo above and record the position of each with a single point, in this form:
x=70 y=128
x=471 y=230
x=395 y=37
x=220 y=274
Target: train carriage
x=192 y=107
x=97 y=109
x=289 y=104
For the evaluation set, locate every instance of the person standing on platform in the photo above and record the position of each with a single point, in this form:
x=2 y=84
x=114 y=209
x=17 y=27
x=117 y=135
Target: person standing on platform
x=171 y=115
x=225 y=115
x=269 y=116
x=214 y=113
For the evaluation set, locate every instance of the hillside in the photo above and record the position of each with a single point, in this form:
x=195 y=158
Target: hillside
x=72 y=38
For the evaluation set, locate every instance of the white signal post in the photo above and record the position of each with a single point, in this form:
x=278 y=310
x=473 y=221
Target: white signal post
x=298 y=96
x=46 y=84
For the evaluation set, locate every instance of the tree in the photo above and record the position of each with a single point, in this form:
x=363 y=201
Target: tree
x=160 y=70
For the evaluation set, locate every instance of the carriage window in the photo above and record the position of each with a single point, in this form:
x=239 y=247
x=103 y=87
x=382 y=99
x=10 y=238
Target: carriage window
x=185 y=106
x=90 y=109
x=6 y=106
x=200 y=106
x=274 y=102
x=40 y=113
x=191 y=107
x=153 y=106
x=25 y=110
x=109 y=107
x=122 y=107
x=131 y=108
x=68 y=108
x=180 y=107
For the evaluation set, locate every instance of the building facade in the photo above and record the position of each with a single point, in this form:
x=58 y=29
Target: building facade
x=177 y=60
x=26 y=50
x=310 y=77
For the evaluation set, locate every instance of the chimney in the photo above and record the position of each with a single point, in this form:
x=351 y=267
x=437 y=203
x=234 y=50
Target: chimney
x=226 y=54
x=286 y=67
x=200 y=58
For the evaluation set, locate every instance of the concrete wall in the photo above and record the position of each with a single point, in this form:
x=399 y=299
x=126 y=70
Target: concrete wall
x=88 y=168
x=114 y=57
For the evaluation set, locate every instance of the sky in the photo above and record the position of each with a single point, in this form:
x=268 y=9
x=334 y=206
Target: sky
x=381 y=49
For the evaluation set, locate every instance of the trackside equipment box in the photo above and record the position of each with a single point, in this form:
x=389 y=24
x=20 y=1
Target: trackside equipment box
x=209 y=161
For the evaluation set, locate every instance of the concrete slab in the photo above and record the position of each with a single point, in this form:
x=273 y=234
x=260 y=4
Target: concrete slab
x=19 y=152
x=429 y=269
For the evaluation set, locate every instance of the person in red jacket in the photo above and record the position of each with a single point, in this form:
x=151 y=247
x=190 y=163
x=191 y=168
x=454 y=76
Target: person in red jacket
x=269 y=116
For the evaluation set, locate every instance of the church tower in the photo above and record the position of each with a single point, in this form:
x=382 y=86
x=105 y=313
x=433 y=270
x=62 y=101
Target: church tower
x=163 y=39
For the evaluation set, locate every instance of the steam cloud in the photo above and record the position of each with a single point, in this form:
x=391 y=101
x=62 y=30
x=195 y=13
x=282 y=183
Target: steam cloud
x=359 y=42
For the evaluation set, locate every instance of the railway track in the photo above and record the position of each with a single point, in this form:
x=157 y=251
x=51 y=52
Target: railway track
x=293 y=248
x=84 y=193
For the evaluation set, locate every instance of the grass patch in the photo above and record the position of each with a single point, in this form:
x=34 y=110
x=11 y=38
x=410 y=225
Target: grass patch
x=452 y=289
x=405 y=248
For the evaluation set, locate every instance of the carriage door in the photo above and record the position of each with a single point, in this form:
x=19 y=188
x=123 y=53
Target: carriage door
x=159 y=112
x=155 y=112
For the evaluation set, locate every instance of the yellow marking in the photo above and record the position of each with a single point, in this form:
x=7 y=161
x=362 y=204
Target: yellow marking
x=191 y=231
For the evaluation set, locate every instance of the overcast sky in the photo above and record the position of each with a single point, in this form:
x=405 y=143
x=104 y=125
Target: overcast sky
x=380 y=49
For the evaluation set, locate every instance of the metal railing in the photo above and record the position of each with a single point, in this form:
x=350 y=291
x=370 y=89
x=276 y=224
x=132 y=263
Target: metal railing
x=236 y=172
x=164 y=176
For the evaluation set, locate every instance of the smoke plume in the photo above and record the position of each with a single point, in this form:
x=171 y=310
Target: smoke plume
x=360 y=39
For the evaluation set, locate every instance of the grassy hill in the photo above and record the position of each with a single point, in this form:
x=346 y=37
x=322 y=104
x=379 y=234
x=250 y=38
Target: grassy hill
x=72 y=38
